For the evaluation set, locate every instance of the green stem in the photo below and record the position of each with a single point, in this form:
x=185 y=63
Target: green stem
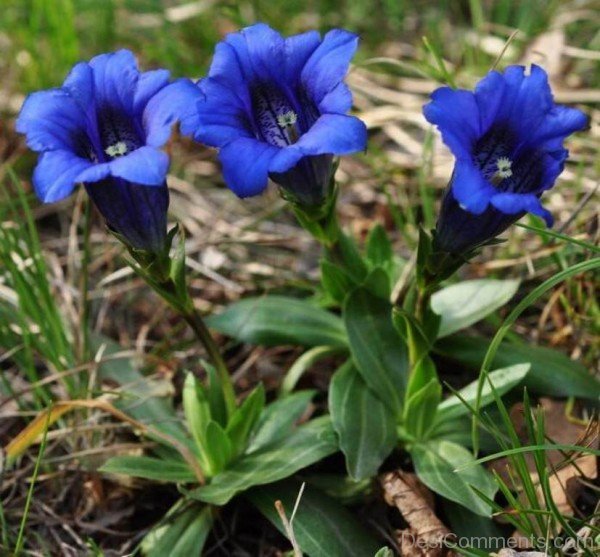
x=166 y=276
x=423 y=297
x=195 y=321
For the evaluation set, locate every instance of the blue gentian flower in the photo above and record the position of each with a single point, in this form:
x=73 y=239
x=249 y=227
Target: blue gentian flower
x=104 y=128
x=507 y=137
x=277 y=108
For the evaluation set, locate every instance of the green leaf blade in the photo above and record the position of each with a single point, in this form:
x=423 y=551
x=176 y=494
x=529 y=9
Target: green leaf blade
x=365 y=426
x=450 y=470
x=149 y=468
x=379 y=352
x=551 y=371
x=276 y=320
x=463 y=304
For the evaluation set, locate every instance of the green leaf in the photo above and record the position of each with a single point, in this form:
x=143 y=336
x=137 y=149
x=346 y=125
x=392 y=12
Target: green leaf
x=304 y=363
x=244 y=419
x=276 y=320
x=182 y=532
x=441 y=466
x=341 y=486
x=279 y=418
x=420 y=410
x=346 y=255
x=503 y=380
x=177 y=271
x=379 y=247
x=197 y=416
x=149 y=468
x=384 y=552
x=378 y=283
x=219 y=447
x=551 y=372
x=336 y=282
x=378 y=351
x=423 y=372
x=306 y=445
x=322 y=526
x=365 y=426
x=463 y=304
x=412 y=332
x=214 y=394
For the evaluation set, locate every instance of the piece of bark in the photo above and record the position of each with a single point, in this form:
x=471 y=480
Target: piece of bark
x=426 y=535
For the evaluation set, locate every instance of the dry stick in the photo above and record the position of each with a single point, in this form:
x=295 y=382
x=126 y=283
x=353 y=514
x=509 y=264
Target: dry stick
x=504 y=48
x=579 y=207
x=288 y=524
x=424 y=526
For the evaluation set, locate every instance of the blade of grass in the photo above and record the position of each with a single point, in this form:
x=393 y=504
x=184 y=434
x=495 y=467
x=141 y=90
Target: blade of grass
x=21 y=535
x=532 y=297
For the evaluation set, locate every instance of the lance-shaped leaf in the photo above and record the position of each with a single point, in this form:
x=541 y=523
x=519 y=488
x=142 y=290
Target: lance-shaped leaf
x=365 y=426
x=450 y=471
x=379 y=352
x=275 y=320
x=463 y=304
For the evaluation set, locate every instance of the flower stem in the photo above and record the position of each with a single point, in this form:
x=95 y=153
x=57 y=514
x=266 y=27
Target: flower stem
x=195 y=321
x=423 y=296
x=166 y=276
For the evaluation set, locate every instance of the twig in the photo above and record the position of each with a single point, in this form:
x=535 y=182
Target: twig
x=288 y=524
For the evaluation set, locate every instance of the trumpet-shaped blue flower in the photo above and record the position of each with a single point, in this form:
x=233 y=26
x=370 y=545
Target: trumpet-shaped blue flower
x=104 y=128
x=277 y=108
x=507 y=137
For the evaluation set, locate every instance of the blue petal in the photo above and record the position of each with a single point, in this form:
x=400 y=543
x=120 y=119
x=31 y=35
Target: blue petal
x=94 y=173
x=147 y=166
x=329 y=63
x=298 y=50
x=56 y=174
x=266 y=52
x=523 y=100
x=514 y=203
x=285 y=159
x=469 y=187
x=51 y=120
x=560 y=122
x=456 y=115
x=221 y=115
x=148 y=84
x=231 y=65
x=246 y=165
x=333 y=134
x=489 y=96
x=115 y=79
x=526 y=101
x=80 y=84
x=553 y=164
x=174 y=103
x=337 y=101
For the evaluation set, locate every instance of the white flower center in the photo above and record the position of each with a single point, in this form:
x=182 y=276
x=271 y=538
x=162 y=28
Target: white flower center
x=504 y=166
x=287 y=119
x=117 y=150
